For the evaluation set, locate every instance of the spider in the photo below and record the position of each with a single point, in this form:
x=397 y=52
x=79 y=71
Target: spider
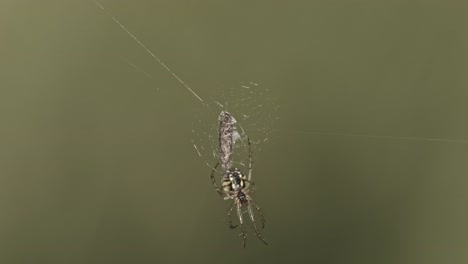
x=235 y=185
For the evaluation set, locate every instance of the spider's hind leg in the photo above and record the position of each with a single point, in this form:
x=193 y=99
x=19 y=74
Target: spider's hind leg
x=249 y=177
x=213 y=180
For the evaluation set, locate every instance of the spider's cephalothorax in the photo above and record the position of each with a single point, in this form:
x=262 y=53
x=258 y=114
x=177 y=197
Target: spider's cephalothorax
x=235 y=185
x=242 y=197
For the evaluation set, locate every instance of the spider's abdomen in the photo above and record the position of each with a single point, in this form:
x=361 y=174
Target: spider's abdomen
x=234 y=180
x=227 y=185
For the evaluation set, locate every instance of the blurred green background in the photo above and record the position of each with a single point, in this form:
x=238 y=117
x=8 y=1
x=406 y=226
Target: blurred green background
x=97 y=164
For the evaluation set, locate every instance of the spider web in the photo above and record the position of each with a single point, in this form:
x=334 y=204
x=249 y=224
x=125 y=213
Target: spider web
x=256 y=113
x=250 y=112
x=251 y=104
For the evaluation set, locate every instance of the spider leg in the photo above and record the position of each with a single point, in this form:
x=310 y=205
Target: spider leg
x=257 y=233
x=214 y=180
x=262 y=218
x=250 y=160
x=250 y=185
x=229 y=216
x=241 y=221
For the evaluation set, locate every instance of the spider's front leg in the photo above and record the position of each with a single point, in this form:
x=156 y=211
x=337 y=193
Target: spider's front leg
x=260 y=212
x=229 y=216
x=257 y=233
x=239 y=214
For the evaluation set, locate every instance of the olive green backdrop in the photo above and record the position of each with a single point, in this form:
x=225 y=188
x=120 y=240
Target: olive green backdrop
x=96 y=159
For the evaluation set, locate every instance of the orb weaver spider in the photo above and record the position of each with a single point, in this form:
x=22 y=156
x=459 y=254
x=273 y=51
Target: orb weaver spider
x=236 y=186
